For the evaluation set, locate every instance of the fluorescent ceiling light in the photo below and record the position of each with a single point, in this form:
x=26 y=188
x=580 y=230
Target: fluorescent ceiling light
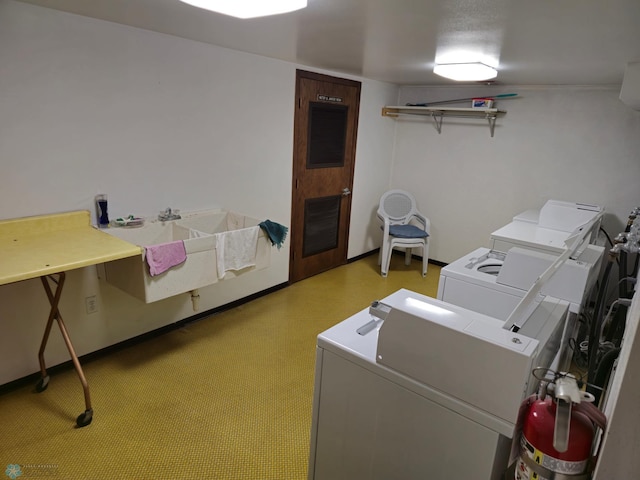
x=465 y=71
x=248 y=8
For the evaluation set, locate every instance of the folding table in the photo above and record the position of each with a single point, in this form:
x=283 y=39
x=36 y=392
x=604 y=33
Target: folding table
x=45 y=247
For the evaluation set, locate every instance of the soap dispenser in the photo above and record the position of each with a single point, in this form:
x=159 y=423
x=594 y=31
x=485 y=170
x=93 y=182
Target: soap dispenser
x=102 y=211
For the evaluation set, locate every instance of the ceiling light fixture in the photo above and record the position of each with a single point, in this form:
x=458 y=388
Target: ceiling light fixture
x=249 y=8
x=462 y=72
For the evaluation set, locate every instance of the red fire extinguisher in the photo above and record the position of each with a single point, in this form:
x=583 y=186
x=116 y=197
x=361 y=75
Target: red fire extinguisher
x=558 y=433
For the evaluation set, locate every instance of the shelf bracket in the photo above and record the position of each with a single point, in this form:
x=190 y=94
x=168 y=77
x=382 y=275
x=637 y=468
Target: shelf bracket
x=437 y=120
x=492 y=123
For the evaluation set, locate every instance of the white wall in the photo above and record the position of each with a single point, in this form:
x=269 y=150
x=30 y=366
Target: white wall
x=154 y=121
x=566 y=143
x=373 y=167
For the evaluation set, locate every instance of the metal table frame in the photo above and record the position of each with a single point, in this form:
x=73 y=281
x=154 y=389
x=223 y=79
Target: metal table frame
x=46 y=247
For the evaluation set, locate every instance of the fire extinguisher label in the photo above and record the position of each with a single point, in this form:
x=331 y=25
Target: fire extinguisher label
x=553 y=465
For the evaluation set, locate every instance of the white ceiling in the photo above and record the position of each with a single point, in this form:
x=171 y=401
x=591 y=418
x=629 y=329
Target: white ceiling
x=537 y=42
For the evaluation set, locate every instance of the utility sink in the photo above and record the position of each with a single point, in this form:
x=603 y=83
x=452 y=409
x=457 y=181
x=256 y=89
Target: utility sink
x=199 y=232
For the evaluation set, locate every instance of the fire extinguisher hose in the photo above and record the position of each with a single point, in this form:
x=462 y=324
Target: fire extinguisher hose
x=593 y=413
x=599 y=419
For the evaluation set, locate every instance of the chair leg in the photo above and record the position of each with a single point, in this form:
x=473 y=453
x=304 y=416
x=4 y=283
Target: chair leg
x=385 y=253
x=425 y=259
x=386 y=261
x=407 y=256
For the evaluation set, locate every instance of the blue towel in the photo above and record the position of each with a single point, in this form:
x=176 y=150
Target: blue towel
x=277 y=233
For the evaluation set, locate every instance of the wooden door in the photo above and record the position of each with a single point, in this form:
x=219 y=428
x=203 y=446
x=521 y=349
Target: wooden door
x=326 y=124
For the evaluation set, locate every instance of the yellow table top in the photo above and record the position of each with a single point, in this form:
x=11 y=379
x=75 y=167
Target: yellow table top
x=31 y=247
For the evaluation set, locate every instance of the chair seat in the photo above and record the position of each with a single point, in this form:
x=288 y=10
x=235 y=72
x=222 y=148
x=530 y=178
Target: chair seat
x=407 y=231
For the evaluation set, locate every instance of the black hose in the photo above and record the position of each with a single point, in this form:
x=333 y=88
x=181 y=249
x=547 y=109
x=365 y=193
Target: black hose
x=596 y=322
x=621 y=312
x=622 y=274
x=606 y=235
x=602 y=374
x=618 y=326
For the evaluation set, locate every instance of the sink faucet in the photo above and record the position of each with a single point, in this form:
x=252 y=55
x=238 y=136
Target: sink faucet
x=168 y=215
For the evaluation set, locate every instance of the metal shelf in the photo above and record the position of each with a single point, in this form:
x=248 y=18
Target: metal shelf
x=438 y=113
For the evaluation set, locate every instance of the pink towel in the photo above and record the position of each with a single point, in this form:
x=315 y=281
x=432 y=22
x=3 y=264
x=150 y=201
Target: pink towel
x=163 y=256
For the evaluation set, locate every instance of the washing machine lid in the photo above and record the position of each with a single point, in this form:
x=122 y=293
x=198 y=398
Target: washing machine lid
x=467 y=355
x=530 y=235
x=557 y=221
x=566 y=216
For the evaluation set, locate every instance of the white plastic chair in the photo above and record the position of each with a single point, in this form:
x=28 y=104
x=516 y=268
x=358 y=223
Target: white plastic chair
x=399 y=215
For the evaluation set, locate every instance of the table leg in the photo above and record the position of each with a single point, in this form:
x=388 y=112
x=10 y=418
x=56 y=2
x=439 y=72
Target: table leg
x=54 y=314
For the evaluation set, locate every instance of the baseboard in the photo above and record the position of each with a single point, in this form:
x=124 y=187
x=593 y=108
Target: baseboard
x=396 y=252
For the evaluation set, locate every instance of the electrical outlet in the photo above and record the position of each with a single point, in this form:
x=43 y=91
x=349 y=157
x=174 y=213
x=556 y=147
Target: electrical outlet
x=91 y=303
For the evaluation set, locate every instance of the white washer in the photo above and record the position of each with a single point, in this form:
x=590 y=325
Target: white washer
x=546 y=231
x=431 y=391
x=470 y=282
x=493 y=283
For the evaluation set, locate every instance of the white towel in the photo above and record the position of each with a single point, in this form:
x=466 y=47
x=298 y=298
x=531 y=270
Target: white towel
x=193 y=233
x=236 y=249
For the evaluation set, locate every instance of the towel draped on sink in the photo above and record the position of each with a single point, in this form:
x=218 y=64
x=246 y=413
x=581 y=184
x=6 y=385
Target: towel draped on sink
x=163 y=256
x=277 y=233
x=236 y=249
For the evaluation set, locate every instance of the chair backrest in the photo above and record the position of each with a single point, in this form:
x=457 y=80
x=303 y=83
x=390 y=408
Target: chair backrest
x=398 y=206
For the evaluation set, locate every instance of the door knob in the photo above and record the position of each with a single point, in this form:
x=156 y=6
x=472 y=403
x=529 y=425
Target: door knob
x=345 y=192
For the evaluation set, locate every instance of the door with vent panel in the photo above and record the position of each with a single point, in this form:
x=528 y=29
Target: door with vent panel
x=326 y=123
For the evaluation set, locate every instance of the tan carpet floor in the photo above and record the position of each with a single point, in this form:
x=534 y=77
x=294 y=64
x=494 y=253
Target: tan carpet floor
x=227 y=397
